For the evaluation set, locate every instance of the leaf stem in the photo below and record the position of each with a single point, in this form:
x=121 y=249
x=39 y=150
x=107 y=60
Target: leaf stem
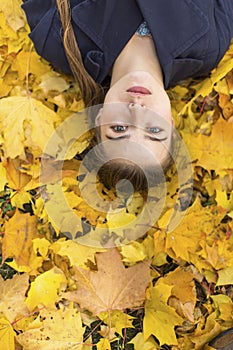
x=28 y=315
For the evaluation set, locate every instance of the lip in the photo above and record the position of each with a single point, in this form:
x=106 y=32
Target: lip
x=138 y=90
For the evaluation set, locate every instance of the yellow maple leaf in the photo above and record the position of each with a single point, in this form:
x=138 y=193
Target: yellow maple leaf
x=78 y=254
x=112 y=287
x=31 y=266
x=224 y=305
x=103 y=344
x=135 y=251
x=4 y=88
x=3 y=179
x=71 y=137
x=183 y=284
x=16 y=179
x=118 y=220
x=212 y=152
x=183 y=293
x=29 y=62
x=7 y=335
x=116 y=320
x=19 y=199
x=44 y=289
x=52 y=81
x=217 y=253
x=140 y=344
x=12 y=296
x=197 y=223
x=205 y=87
x=25 y=122
x=160 y=319
x=54 y=330
x=31 y=262
x=225 y=276
x=41 y=246
x=17 y=240
x=224 y=201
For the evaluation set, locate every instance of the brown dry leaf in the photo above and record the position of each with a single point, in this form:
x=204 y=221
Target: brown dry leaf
x=20 y=230
x=12 y=297
x=112 y=287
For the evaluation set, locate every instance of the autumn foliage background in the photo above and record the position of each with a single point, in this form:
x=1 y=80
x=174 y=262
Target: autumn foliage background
x=163 y=291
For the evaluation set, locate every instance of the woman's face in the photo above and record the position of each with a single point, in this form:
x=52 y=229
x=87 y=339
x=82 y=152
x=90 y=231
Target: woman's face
x=137 y=110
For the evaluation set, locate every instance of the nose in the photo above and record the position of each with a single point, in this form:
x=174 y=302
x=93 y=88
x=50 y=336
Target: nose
x=137 y=111
x=137 y=134
x=136 y=105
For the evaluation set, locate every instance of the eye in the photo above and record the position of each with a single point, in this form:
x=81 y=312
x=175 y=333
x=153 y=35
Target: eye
x=119 y=128
x=154 y=130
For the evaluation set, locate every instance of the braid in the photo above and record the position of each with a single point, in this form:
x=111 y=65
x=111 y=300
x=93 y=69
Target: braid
x=92 y=93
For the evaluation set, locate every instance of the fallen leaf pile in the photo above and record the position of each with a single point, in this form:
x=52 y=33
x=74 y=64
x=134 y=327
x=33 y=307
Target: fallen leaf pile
x=166 y=290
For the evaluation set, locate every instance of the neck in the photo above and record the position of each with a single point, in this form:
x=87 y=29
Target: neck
x=138 y=55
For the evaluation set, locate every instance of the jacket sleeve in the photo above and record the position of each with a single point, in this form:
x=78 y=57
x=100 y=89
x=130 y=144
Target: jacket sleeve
x=45 y=26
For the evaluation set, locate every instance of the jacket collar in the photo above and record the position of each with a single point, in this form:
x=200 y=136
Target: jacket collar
x=108 y=23
x=111 y=23
x=175 y=26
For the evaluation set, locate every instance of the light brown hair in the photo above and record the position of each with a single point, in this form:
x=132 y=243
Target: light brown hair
x=91 y=92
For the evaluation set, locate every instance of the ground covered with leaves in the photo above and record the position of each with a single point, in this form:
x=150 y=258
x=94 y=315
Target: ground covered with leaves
x=166 y=290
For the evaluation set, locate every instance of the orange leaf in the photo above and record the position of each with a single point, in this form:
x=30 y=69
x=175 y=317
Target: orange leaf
x=16 y=179
x=20 y=230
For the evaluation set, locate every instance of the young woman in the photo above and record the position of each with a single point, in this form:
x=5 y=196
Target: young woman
x=125 y=54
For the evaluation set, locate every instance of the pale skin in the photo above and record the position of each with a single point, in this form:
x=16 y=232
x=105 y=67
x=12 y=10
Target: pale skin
x=136 y=107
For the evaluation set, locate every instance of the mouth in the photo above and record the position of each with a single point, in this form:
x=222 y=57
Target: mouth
x=139 y=90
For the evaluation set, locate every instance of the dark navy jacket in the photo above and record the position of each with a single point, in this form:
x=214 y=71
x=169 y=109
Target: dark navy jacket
x=190 y=36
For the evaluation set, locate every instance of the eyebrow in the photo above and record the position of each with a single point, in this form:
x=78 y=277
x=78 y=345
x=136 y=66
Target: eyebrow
x=156 y=139
x=128 y=136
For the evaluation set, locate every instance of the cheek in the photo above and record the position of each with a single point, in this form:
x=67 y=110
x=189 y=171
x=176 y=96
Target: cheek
x=114 y=94
x=160 y=152
x=111 y=96
x=162 y=106
x=102 y=133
